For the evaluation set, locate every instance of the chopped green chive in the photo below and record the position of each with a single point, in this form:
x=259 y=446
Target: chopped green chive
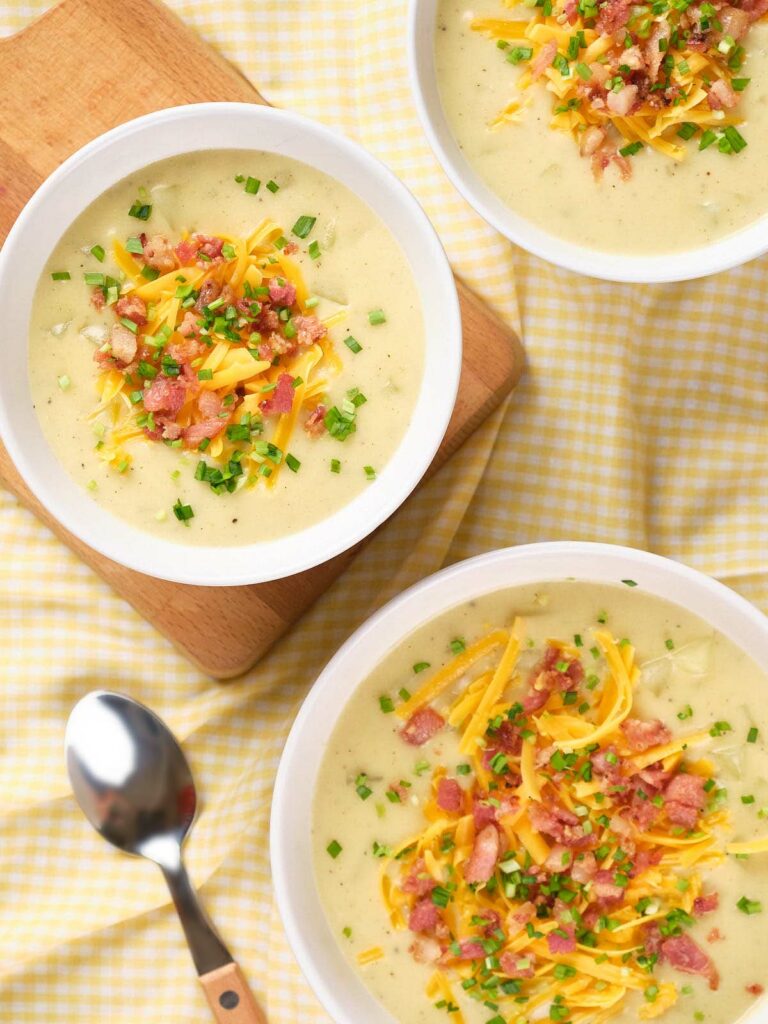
x=139 y=210
x=61 y=275
x=292 y=463
x=630 y=150
x=183 y=512
x=252 y=185
x=583 y=71
x=752 y=735
x=64 y=382
x=133 y=244
x=720 y=728
x=303 y=226
x=205 y=374
x=334 y=848
x=458 y=645
x=377 y=316
x=386 y=704
x=353 y=344
x=98 y=253
x=370 y=472
x=740 y=84
x=707 y=139
x=273 y=187
x=149 y=273
x=687 y=130
x=747 y=906
x=518 y=54
x=314 y=252
x=335 y=466
x=669 y=644
x=420 y=666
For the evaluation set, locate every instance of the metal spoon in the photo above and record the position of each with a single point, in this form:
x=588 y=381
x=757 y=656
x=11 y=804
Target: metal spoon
x=134 y=785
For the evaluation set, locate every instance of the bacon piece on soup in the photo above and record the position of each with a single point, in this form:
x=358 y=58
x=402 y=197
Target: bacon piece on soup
x=684 y=799
x=591 y=140
x=558 y=823
x=281 y=399
x=309 y=329
x=544 y=59
x=643 y=735
x=562 y=940
x=281 y=294
x=198 y=432
x=450 y=796
x=424 y=916
x=209 y=292
x=656 y=47
x=208 y=246
x=682 y=953
x=517 y=965
x=164 y=395
x=158 y=253
x=422 y=726
x=132 y=308
x=187 y=250
x=425 y=950
x=706 y=904
x=314 y=424
x=419 y=882
x=97 y=299
x=622 y=102
x=122 y=344
x=485 y=854
x=614 y=14
x=755 y=990
x=721 y=95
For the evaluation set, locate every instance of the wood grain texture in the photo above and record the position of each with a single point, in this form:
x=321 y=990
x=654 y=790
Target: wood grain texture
x=51 y=107
x=230 y=998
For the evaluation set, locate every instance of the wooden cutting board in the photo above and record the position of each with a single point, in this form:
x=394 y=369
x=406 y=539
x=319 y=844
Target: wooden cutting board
x=60 y=90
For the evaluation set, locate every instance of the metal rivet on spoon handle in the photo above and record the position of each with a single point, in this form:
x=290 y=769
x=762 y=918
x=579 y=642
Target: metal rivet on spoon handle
x=133 y=783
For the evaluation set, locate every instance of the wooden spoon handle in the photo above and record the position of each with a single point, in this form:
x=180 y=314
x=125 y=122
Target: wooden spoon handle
x=230 y=998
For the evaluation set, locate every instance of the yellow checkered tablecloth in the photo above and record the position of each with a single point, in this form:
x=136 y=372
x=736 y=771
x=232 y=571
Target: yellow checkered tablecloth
x=642 y=419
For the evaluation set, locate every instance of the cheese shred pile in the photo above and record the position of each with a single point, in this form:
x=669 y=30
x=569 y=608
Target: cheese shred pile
x=628 y=76
x=552 y=875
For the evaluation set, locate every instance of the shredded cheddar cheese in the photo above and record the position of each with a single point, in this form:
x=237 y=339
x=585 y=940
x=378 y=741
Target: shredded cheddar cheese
x=624 y=77
x=572 y=857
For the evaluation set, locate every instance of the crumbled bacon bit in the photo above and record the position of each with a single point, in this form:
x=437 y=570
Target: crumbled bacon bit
x=517 y=965
x=123 y=344
x=309 y=329
x=755 y=990
x=544 y=59
x=315 y=422
x=682 y=953
x=485 y=853
x=97 y=299
x=424 y=917
x=643 y=735
x=158 y=253
x=281 y=294
x=684 y=799
x=419 y=882
x=450 y=796
x=198 y=432
x=422 y=726
x=281 y=399
x=132 y=308
x=562 y=944
x=165 y=395
x=706 y=903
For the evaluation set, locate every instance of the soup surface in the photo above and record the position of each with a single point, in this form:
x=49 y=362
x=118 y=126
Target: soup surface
x=226 y=347
x=665 y=206
x=471 y=858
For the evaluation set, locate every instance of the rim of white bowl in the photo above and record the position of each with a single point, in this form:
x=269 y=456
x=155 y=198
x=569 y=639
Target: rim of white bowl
x=333 y=979
x=724 y=254
x=230 y=126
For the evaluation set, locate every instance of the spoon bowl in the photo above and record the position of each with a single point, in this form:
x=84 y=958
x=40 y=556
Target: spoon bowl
x=129 y=775
x=134 y=785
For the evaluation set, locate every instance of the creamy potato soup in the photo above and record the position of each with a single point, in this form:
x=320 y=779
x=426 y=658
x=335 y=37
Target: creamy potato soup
x=226 y=347
x=638 y=129
x=551 y=804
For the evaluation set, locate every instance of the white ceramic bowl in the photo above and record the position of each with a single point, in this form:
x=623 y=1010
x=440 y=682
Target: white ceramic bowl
x=727 y=252
x=105 y=161
x=334 y=981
